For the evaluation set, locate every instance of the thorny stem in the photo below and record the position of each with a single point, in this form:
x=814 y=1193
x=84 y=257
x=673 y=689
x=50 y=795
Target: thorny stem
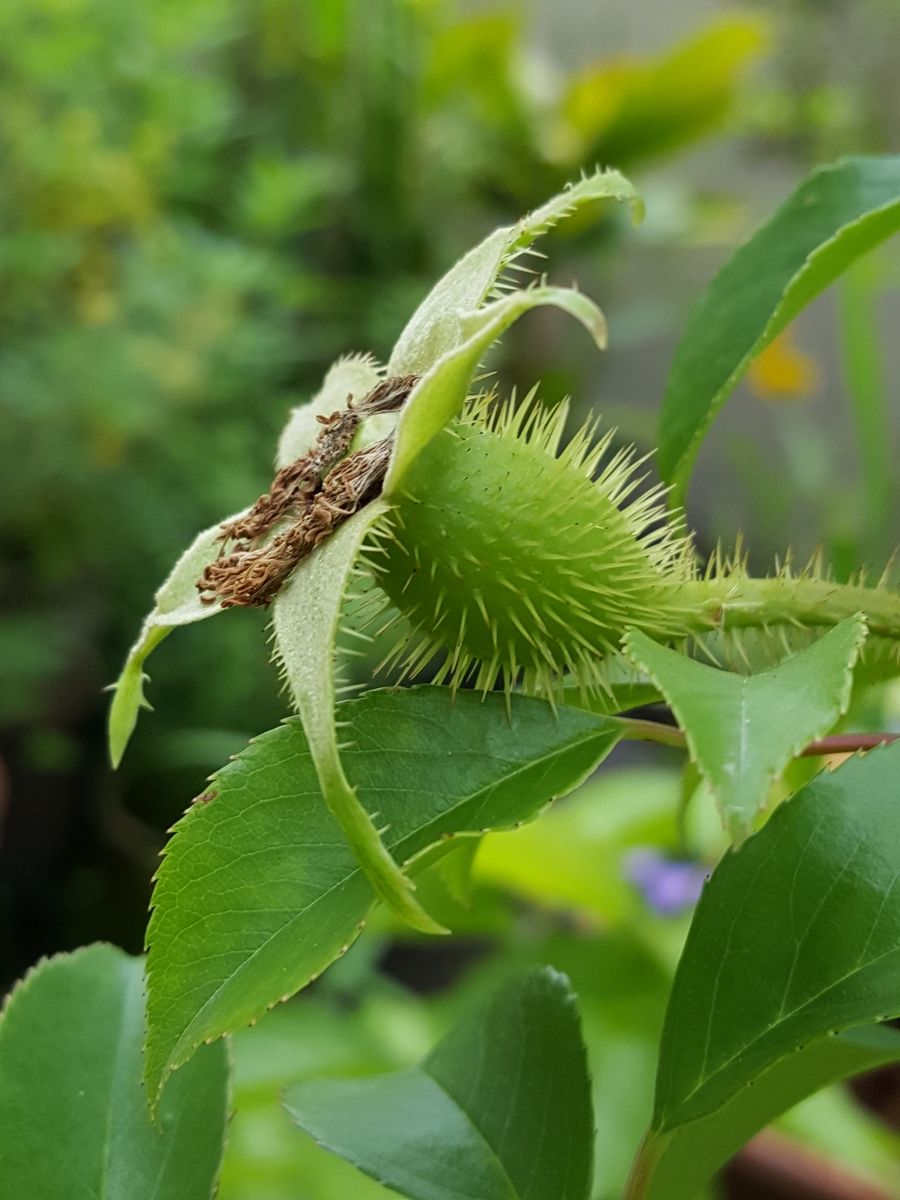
x=741 y=602
x=635 y=729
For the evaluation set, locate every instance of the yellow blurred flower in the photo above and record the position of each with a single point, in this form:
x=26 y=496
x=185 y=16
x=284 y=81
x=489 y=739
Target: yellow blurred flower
x=783 y=371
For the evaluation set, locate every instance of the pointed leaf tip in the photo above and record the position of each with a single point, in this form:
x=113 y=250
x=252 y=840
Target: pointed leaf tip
x=461 y=1134
x=743 y=730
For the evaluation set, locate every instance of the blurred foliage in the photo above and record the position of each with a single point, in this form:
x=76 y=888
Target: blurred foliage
x=202 y=205
x=829 y=85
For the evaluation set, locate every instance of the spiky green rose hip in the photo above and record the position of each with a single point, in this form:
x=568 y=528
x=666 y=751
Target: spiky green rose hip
x=519 y=563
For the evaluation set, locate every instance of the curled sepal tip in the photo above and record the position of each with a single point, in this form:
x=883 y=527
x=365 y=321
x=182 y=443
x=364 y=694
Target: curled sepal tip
x=176 y=603
x=442 y=391
x=491 y=267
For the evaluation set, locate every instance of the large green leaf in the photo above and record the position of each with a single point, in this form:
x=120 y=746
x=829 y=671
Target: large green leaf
x=259 y=891
x=838 y=213
x=796 y=939
x=436 y=327
x=675 y=1165
x=500 y=1109
x=743 y=730
x=73 y=1113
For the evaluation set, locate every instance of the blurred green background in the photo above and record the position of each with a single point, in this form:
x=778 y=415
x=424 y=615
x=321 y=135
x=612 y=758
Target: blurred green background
x=201 y=205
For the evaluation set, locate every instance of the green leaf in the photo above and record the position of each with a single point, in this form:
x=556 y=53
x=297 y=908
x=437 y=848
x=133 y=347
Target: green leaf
x=442 y=390
x=259 y=892
x=306 y=614
x=813 y=898
x=437 y=325
x=795 y=940
x=673 y=1166
x=178 y=601
x=837 y=214
x=500 y=1109
x=743 y=730
x=72 y=1109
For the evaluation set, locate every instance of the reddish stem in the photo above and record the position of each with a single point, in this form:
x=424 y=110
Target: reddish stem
x=771 y=1158
x=849 y=743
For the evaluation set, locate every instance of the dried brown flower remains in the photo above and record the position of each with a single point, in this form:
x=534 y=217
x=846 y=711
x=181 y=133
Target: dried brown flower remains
x=320 y=490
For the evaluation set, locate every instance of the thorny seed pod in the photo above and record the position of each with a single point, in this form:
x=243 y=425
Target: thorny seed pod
x=523 y=564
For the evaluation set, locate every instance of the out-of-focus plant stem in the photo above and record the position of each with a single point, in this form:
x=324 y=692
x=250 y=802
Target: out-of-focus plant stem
x=864 y=378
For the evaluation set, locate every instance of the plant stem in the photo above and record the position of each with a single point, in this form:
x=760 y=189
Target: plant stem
x=644 y=1164
x=742 y=602
x=772 y=1158
x=635 y=729
x=864 y=380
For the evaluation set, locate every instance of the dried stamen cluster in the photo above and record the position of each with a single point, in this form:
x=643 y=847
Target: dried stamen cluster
x=296 y=484
x=320 y=491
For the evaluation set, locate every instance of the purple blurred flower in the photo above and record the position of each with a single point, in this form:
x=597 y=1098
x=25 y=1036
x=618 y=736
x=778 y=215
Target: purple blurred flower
x=668 y=885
